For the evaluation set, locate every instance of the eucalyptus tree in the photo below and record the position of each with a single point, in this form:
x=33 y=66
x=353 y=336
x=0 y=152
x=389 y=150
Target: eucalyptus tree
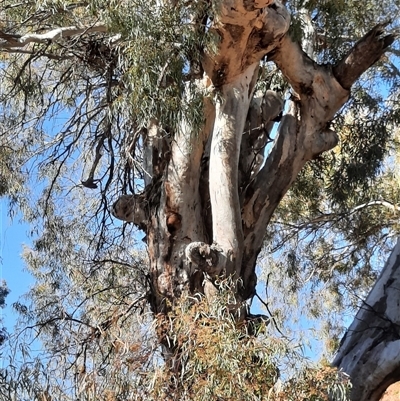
x=192 y=121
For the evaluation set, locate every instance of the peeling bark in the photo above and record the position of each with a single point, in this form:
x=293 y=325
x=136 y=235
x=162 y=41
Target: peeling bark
x=247 y=33
x=241 y=204
x=369 y=352
x=209 y=194
x=177 y=220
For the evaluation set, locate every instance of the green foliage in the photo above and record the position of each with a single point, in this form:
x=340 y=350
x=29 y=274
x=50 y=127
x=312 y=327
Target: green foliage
x=367 y=131
x=162 y=50
x=11 y=154
x=85 y=318
x=331 y=21
x=327 y=254
x=4 y=291
x=217 y=359
x=215 y=356
x=323 y=384
x=335 y=227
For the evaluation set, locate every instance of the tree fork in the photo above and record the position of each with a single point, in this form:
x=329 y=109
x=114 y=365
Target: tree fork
x=241 y=212
x=320 y=91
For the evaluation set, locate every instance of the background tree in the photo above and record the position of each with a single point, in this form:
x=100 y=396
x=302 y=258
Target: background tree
x=199 y=117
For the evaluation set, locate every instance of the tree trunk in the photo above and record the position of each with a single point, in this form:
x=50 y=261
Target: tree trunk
x=206 y=209
x=370 y=350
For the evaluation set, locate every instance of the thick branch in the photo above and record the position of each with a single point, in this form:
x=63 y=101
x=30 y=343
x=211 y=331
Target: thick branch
x=309 y=80
x=302 y=135
x=266 y=191
x=363 y=55
x=264 y=109
x=176 y=216
x=231 y=111
x=182 y=176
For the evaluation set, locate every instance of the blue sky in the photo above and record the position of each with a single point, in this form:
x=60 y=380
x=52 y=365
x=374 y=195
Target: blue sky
x=13 y=237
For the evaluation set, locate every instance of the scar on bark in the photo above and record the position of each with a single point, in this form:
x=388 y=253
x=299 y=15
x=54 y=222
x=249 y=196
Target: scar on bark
x=174 y=222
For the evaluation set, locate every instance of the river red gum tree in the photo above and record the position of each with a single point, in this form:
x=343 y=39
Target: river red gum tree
x=210 y=192
x=214 y=197
x=209 y=202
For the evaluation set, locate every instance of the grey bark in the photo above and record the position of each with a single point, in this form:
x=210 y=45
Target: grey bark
x=370 y=350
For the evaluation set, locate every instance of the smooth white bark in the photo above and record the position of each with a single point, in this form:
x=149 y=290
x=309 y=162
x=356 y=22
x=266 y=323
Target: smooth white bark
x=16 y=41
x=231 y=111
x=370 y=350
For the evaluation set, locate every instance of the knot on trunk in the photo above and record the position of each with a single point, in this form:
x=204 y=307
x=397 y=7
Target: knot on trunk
x=324 y=141
x=205 y=256
x=130 y=208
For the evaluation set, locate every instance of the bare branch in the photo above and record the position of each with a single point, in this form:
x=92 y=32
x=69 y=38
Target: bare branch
x=366 y=52
x=31 y=52
x=384 y=203
x=330 y=217
x=17 y=41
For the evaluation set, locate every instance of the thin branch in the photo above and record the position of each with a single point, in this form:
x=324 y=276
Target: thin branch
x=323 y=218
x=31 y=52
x=376 y=203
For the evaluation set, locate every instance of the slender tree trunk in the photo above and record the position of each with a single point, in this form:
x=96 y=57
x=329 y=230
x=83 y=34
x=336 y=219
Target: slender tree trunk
x=370 y=350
